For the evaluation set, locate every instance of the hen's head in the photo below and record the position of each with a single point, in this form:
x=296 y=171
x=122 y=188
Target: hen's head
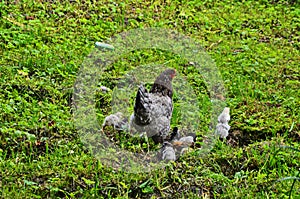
x=163 y=83
x=169 y=73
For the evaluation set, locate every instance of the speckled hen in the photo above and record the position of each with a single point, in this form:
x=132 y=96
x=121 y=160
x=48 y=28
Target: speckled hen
x=153 y=109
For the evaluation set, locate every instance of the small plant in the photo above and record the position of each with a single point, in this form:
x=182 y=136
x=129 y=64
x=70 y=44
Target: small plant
x=294 y=178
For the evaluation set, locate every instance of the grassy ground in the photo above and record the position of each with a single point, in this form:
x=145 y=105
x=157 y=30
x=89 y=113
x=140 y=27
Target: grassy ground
x=255 y=45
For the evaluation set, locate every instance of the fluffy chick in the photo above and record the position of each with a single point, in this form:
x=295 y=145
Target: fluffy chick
x=224 y=117
x=168 y=152
x=223 y=127
x=117 y=120
x=183 y=143
x=175 y=135
x=223 y=130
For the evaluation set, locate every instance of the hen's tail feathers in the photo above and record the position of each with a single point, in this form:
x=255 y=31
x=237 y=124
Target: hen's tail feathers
x=141 y=107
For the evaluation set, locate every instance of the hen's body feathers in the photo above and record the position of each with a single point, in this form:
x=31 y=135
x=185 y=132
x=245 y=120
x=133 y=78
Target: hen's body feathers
x=153 y=117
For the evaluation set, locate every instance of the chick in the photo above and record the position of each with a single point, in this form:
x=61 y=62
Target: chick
x=175 y=135
x=190 y=139
x=224 y=117
x=182 y=145
x=223 y=127
x=223 y=130
x=117 y=120
x=168 y=152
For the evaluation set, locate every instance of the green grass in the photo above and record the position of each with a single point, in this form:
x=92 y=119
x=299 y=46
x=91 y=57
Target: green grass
x=255 y=45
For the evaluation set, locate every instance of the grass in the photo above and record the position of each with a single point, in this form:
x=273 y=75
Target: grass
x=255 y=45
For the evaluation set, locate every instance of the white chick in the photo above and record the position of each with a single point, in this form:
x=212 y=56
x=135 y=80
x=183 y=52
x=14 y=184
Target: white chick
x=223 y=127
x=223 y=130
x=224 y=117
